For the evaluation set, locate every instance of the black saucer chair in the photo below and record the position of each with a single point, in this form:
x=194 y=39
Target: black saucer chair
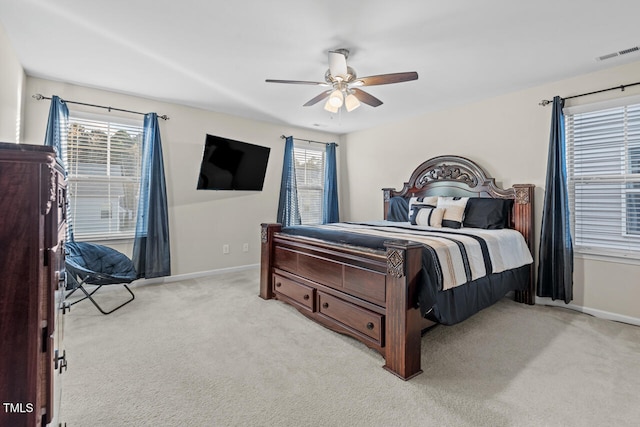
x=92 y=264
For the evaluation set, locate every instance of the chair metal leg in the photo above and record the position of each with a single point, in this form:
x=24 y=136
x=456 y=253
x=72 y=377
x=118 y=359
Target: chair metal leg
x=88 y=295
x=80 y=286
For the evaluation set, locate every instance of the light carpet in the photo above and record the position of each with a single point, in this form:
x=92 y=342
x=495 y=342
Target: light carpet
x=210 y=352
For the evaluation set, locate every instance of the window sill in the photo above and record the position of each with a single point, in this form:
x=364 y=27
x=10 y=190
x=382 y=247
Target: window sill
x=633 y=259
x=106 y=240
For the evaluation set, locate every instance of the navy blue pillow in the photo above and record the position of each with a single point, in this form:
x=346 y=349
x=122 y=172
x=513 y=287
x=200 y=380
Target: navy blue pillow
x=398 y=209
x=487 y=213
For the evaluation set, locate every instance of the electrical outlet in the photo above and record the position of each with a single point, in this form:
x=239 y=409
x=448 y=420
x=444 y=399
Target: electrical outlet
x=225 y=249
x=245 y=247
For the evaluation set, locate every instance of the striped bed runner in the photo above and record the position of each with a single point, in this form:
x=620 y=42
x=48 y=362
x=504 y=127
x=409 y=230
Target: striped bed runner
x=460 y=255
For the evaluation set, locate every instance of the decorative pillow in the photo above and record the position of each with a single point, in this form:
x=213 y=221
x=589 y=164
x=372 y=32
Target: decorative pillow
x=426 y=200
x=454 y=210
x=487 y=213
x=427 y=215
x=398 y=209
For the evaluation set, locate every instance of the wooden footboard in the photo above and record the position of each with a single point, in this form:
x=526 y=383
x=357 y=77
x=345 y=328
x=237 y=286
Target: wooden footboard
x=369 y=295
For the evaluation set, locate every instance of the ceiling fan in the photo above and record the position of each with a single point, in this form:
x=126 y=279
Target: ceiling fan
x=344 y=85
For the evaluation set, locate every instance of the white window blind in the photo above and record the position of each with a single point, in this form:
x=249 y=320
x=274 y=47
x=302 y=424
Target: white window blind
x=310 y=182
x=103 y=167
x=603 y=172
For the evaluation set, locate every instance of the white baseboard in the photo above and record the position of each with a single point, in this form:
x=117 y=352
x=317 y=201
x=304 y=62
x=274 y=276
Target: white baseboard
x=592 y=311
x=196 y=275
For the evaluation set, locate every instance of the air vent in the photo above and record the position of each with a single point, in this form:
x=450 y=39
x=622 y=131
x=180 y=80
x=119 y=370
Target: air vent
x=609 y=56
x=619 y=53
x=633 y=49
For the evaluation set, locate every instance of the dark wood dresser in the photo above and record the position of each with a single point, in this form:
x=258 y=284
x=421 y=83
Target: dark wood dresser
x=32 y=235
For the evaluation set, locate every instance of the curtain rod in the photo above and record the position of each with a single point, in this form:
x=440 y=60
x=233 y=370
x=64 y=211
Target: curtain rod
x=545 y=102
x=40 y=97
x=308 y=140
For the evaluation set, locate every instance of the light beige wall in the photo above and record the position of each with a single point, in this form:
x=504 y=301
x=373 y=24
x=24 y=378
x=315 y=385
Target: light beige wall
x=200 y=221
x=508 y=135
x=12 y=81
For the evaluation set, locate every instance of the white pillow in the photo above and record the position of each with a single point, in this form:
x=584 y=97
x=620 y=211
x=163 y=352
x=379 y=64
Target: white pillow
x=454 y=210
x=425 y=215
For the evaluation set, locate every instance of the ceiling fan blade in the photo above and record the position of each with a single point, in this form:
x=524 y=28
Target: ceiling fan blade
x=385 y=79
x=297 y=82
x=366 y=98
x=317 y=99
x=338 y=64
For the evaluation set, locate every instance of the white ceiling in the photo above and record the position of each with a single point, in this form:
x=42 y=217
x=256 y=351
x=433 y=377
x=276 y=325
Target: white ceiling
x=216 y=54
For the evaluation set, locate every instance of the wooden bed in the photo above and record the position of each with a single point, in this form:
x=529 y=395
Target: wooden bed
x=371 y=295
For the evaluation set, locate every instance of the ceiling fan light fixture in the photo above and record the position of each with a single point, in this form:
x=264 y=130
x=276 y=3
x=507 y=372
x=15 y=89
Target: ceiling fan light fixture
x=330 y=108
x=336 y=98
x=351 y=102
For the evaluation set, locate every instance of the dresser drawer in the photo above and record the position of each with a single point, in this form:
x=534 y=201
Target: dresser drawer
x=359 y=319
x=300 y=294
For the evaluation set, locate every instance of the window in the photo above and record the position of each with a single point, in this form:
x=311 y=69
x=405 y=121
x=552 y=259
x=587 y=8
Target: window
x=310 y=182
x=103 y=166
x=603 y=176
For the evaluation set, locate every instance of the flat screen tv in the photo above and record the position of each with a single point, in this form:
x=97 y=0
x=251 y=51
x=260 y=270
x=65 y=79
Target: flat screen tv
x=228 y=164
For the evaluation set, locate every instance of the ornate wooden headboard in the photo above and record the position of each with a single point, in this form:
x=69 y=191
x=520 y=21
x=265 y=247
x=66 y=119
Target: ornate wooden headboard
x=451 y=176
x=459 y=176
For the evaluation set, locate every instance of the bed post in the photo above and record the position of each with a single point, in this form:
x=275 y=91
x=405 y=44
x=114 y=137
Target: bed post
x=266 y=258
x=386 y=200
x=402 y=322
x=523 y=222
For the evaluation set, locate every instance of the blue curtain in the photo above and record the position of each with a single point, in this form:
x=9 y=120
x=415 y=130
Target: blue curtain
x=288 y=210
x=330 y=195
x=55 y=136
x=555 y=263
x=151 y=256
x=57 y=125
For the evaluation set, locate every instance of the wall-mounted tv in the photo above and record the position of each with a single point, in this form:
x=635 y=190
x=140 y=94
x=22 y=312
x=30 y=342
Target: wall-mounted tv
x=228 y=164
